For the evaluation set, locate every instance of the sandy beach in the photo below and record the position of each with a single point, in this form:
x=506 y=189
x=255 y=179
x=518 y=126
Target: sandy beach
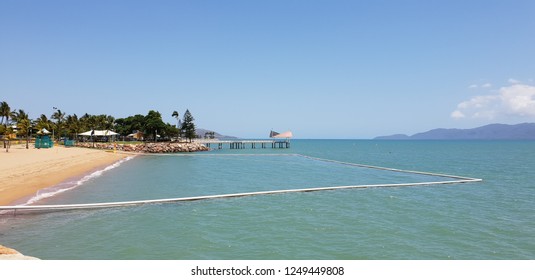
x=25 y=171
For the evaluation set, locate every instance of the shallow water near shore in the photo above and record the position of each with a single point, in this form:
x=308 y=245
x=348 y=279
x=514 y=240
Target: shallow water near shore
x=494 y=219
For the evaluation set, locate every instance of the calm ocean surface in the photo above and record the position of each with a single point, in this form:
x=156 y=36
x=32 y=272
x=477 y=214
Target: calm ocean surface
x=494 y=219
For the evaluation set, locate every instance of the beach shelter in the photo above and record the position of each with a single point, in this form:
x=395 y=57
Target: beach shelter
x=87 y=133
x=99 y=133
x=42 y=140
x=43 y=131
x=109 y=133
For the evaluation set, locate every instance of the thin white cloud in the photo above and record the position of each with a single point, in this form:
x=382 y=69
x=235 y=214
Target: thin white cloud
x=515 y=99
x=513 y=81
x=485 y=85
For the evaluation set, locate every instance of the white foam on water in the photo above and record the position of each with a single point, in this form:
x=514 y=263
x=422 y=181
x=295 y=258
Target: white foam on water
x=66 y=186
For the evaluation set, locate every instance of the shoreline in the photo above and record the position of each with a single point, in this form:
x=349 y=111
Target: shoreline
x=27 y=171
x=7 y=253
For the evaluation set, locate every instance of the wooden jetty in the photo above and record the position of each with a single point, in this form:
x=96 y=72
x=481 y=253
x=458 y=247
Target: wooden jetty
x=243 y=144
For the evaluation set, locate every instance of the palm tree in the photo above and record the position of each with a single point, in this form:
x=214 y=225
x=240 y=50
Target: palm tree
x=60 y=117
x=110 y=120
x=73 y=125
x=43 y=122
x=177 y=116
x=5 y=113
x=24 y=124
x=86 y=122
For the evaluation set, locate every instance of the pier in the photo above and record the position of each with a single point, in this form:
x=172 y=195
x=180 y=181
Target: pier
x=243 y=144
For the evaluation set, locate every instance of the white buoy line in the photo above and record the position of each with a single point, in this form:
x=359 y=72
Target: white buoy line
x=457 y=180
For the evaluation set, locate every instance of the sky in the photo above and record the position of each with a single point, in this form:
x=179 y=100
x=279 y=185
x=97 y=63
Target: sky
x=323 y=69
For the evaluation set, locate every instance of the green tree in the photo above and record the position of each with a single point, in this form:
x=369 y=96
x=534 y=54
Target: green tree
x=209 y=135
x=170 y=131
x=86 y=122
x=103 y=122
x=43 y=122
x=130 y=124
x=97 y=122
x=24 y=124
x=121 y=126
x=73 y=125
x=5 y=112
x=59 y=116
x=153 y=124
x=177 y=116
x=125 y=126
x=188 y=126
x=109 y=122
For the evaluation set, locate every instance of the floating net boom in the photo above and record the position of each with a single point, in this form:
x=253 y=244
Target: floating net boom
x=456 y=180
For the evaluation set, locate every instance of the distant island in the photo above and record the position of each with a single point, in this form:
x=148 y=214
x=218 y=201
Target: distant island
x=524 y=131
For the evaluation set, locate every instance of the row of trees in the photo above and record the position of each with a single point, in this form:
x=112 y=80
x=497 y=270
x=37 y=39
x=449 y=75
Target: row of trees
x=63 y=125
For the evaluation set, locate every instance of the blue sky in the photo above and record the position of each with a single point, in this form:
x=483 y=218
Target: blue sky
x=324 y=69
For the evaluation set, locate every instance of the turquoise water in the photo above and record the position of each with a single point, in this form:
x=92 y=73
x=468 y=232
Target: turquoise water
x=494 y=219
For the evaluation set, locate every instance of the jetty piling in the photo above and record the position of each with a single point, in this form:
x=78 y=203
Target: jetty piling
x=243 y=144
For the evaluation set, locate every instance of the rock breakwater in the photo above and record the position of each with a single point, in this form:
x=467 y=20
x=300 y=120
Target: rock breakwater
x=152 y=148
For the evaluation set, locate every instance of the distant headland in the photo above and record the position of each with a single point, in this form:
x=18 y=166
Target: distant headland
x=523 y=131
x=205 y=132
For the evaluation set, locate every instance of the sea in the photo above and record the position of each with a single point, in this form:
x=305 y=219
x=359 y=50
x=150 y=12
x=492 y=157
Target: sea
x=491 y=219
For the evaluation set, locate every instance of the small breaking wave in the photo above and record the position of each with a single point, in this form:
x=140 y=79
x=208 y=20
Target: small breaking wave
x=66 y=186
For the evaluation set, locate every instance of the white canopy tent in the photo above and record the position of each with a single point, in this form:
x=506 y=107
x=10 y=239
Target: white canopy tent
x=43 y=131
x=99 y=133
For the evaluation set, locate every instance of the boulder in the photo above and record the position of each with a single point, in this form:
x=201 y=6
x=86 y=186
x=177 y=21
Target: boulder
x=152 y=148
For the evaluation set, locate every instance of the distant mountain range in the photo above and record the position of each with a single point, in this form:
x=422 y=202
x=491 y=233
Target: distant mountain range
x=201 y=132
x=524 y=131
